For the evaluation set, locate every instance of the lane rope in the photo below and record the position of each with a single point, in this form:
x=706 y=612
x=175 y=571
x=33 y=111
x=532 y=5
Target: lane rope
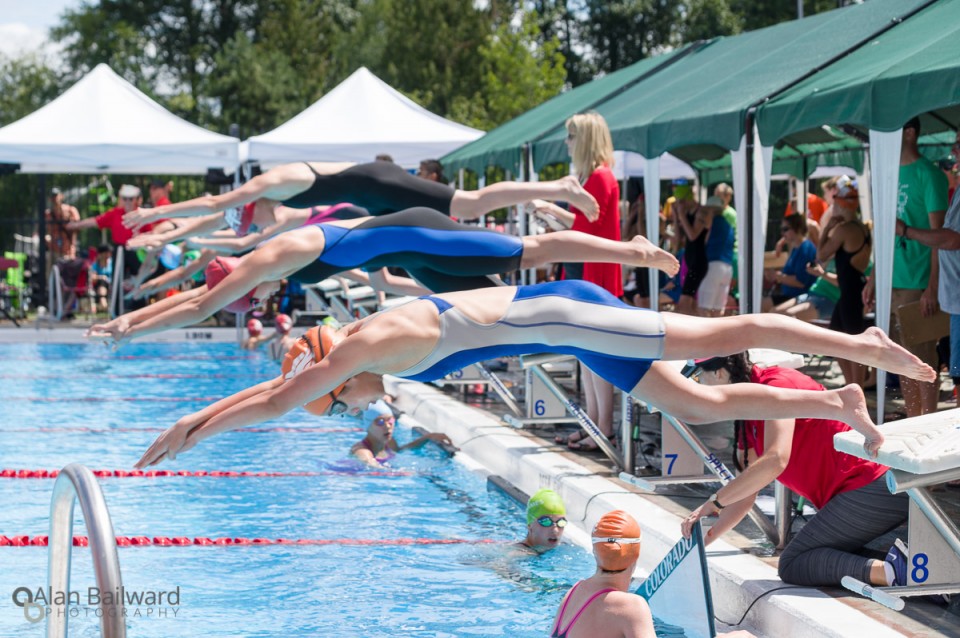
x=138 y=376
x=173 y=357
x=8 y=473
x=109 y=399
x=175 y=541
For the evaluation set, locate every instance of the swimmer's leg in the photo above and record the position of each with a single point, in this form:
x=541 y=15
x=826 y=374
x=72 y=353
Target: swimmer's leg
x=688 y=401
x=697 y=337
x=574 y=246
x=473 y=204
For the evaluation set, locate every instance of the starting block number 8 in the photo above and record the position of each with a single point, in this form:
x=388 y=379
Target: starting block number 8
x=919 y=573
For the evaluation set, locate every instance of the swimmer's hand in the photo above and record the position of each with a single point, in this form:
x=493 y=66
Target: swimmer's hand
x=146 y=240
x=137 y=218
x=175 y=440
x=113 y=331
x=442 y=439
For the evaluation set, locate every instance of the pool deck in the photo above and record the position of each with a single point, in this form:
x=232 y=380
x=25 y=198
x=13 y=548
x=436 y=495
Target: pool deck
x=590 y=489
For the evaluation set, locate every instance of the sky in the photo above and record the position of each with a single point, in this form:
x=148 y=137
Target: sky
x=24 y=23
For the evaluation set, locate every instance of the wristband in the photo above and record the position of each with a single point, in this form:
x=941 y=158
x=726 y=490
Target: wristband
x=716 y=501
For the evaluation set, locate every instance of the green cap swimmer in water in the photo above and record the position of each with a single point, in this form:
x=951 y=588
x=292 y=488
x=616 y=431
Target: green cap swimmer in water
x=545 y=521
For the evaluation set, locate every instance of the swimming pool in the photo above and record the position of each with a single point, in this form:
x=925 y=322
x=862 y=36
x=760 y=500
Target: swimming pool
x=81 y=403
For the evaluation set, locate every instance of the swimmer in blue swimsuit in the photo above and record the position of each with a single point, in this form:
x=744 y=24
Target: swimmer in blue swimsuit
x=441 y=254
x=378 y=446
x=430 y=337
x=380 y=187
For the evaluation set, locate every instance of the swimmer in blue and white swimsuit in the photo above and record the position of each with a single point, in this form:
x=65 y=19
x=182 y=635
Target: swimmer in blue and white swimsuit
x=427 y=338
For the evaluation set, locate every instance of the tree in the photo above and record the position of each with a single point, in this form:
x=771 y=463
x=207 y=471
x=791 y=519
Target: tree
x=26 y=84
x=621 y=32
x=706 y=19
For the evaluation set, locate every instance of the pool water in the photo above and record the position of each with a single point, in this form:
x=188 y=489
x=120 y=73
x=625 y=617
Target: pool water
x=83 y=403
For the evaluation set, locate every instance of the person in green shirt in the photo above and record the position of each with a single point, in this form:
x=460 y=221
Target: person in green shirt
x=921 y=203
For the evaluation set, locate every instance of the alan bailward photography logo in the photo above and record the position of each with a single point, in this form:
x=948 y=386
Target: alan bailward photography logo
x=92 y=602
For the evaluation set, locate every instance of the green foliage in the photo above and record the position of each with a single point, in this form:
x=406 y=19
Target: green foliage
x=707 y=19
x=26 y=84
x=620 y=32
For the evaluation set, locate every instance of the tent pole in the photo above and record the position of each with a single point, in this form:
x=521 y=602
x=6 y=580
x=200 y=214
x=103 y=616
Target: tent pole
x=42 y=232
x=751 y=249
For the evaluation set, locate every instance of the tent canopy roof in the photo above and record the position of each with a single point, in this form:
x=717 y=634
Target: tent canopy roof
x=103 y=124
x=502 y=146
x=912 y=68
x=703 y=99
x=359 y=119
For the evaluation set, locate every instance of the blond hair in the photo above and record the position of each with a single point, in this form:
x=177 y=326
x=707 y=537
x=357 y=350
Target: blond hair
x=592 y=146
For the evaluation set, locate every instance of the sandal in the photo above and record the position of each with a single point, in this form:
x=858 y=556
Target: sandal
x=587 y=444
x=573 y=437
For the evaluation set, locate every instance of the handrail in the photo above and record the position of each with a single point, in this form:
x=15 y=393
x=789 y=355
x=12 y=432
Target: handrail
x=76 y=482
x=116 y=285
x=55 y=294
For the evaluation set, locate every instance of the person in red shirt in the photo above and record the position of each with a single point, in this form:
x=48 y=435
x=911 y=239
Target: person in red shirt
x=854 y=506
x=160 y=192
x=130 y=200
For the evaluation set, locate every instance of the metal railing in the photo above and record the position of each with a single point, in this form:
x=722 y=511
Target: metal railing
x=76 y=482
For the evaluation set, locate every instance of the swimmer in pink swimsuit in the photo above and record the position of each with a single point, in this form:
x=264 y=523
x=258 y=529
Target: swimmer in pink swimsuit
x=379 y=446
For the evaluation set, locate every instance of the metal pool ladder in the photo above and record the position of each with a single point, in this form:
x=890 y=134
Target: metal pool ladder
x=76 y=482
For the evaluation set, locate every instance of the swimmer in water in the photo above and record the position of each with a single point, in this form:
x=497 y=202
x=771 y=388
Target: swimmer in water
x=546 y=520
x=439 y=253
x=602 y=606
x=283 y=342
x=379 y=446
x=255 y=337
x=379 y=187
x=425 y=339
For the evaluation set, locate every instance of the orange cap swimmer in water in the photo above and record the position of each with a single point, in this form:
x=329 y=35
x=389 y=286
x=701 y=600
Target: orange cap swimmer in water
x=616 y=541
x=315 y=344
x=217 y=270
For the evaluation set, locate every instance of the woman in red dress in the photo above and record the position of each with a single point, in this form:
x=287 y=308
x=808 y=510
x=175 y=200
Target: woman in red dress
x=591 y=150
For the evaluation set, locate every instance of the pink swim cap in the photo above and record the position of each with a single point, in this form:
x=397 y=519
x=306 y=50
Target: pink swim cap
x=217 y=270
x=284 y=323
x=254 y=327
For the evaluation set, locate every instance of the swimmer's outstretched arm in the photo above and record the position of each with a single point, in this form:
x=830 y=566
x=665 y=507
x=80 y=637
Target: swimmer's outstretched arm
x=249 y=408
x=176 y=276
x=189 y=228
x=233 y=245
x=272 y=263
x=174 y=440
x=385 y=281
x=115 y=328
x=436 y=437
x=279 y=183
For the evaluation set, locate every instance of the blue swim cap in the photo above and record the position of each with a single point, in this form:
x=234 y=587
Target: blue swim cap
x=378 y=408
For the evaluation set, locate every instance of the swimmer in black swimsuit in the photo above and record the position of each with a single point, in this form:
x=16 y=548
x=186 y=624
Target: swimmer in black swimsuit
x=430 y=337
x=444 y=255
x=380 y=187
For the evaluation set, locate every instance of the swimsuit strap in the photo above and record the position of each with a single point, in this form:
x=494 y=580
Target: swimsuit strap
x=582 y=608
x=563 y=608
x=311 y=170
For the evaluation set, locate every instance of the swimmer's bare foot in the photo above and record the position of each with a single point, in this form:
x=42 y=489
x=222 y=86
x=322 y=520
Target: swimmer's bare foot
x=857 y=415
x=579 y=197
x=651 y=256
x=883 y=353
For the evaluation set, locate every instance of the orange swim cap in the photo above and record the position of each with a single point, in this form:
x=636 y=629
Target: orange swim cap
x=217 y=270
x=254 y=327
x=312 y=347
x=616 y=541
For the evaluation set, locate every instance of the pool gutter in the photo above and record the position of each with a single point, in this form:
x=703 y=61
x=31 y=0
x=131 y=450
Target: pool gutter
x=736 y=578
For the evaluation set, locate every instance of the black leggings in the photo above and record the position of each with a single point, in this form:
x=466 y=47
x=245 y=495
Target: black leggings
x=826 y=548
x=380 y=187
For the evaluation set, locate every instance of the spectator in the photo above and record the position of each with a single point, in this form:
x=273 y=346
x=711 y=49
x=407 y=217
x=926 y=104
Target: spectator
x=816 y=207
x=432 y=170
x=61 y=235
x=829 y=187
x=921 y=205
x=816 y=304
x=847 y=240
x=793 y=279
x=947 y=240
x=546 y=520
x=950 y=167
x=160 y=192
x=636 y=224
x=101 y=274
x=713 y=291
x=725 y=193
x=692 y=234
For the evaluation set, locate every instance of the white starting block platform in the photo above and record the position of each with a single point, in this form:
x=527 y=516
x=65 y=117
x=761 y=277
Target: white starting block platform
x=921 y=452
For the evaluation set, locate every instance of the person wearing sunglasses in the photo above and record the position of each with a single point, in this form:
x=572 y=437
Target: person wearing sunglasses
x=442 y=255
x=793 y=279
x=379 y=446
x=431 y=337
x=546 y=520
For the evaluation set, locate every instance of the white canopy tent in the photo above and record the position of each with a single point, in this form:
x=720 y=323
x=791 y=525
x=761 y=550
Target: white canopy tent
x=359 y=119
x=630 y=164
x=103 y=124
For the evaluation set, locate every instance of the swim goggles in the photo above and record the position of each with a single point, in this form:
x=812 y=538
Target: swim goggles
x=546 y=521
x=337 y=407
x=380 y=420
x=615 y=539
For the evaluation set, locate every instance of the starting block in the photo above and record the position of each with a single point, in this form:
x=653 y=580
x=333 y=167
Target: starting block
x=478 y=373
x=921 y=452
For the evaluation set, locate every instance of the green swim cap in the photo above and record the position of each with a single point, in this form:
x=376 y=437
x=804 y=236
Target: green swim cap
x=544 y=503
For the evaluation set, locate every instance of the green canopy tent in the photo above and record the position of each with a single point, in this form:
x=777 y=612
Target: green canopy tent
x=697 y=109
x=911 y=69
x=503 y=146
